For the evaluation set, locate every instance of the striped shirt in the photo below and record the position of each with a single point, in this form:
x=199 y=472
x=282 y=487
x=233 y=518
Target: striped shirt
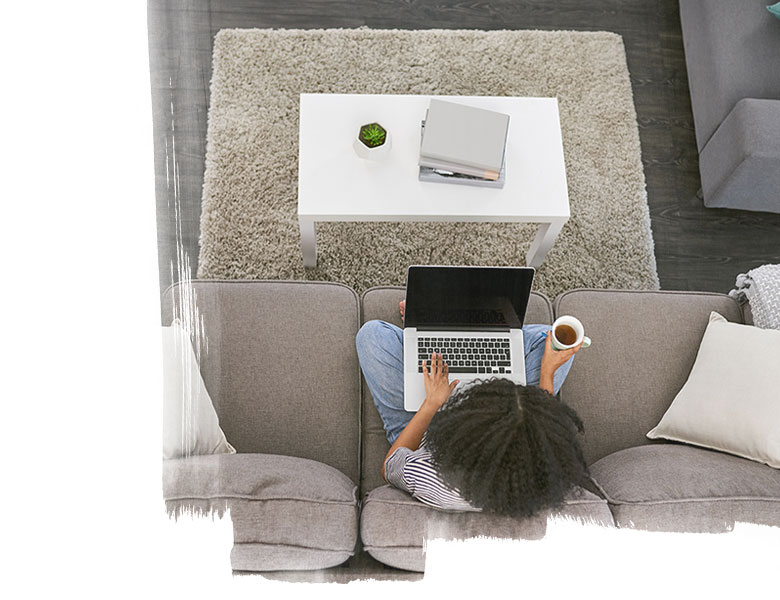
x=413 y=472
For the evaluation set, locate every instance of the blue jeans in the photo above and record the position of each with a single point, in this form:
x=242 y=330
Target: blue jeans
x=380 y=349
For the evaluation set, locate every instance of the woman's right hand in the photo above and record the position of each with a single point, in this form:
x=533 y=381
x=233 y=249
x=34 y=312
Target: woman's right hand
x=437 y=382
x=402 y=308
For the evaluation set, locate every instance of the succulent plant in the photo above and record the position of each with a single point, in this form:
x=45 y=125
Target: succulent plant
x=372 y=135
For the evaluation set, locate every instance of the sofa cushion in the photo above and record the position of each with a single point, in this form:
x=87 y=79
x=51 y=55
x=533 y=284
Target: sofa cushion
x=394 y=526
x=673 y=487
x=279 y=361
x=382 y=303
x=731 y=401
x=747 y=313
x=288 y=513
x=644 y=345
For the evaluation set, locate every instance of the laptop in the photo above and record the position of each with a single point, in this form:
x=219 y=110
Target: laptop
x=473 y=316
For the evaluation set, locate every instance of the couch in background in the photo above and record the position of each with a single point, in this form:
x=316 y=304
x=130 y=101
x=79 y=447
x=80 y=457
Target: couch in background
x=305 y=489
x=732 y=53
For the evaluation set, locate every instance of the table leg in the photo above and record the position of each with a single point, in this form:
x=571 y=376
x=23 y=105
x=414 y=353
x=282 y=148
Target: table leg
x=544 y=240
x=308 y=242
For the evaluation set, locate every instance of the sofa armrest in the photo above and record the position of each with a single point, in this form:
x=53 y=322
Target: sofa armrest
x=740 y=165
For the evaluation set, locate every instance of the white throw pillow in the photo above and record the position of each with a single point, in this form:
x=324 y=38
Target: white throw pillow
x=190 y=424
x=731 y=401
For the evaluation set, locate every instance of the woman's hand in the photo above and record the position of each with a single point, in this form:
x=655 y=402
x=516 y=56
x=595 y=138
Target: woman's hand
x=437 y=390
x=437 y=382
x=551 y=360
x=402 y=308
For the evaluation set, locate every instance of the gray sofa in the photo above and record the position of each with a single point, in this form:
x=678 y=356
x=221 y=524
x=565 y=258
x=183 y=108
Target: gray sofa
x=305 y=489
x=732 y=52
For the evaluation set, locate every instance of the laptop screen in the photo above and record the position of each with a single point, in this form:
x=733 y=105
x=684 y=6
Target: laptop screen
x=467 y=297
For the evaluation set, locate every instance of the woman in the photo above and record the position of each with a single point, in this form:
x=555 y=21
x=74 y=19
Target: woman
x=495 y=445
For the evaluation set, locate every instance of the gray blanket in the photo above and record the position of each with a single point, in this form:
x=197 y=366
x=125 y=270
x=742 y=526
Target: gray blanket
x=761 y=288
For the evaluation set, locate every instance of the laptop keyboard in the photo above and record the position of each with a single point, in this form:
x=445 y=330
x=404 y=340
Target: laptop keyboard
x=467 y=354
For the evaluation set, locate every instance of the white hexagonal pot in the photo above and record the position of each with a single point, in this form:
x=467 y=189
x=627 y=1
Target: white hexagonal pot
x=375 y=153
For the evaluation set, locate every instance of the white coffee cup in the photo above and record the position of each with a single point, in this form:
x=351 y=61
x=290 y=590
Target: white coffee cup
x=579 y=330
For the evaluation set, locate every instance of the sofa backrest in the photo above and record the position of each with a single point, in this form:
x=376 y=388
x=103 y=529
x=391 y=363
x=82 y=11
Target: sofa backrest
x=644 y=345
x=279 y=361
x=382 y=303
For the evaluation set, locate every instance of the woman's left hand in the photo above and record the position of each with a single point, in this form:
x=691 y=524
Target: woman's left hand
x=553 y=359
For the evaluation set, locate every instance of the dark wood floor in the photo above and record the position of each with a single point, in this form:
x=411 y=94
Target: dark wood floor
x=696 y=248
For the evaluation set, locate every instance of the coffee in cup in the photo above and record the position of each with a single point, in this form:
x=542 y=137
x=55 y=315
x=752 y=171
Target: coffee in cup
x=567 y=332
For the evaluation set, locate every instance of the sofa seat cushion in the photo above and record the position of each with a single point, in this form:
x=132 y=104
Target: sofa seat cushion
x=394 y=526
x=288 y=513
x=673 y=487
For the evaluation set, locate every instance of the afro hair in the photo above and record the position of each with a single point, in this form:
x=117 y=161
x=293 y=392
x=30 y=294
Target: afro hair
x=507 y=448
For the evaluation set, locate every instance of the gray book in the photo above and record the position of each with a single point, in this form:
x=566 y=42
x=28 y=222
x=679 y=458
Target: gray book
x=436 y=174
x=439 y=176
x=466 y=135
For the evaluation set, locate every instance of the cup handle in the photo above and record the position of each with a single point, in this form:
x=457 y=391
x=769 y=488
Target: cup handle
x=585 y=341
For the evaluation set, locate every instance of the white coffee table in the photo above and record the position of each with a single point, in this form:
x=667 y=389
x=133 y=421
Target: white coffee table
x=334 y=184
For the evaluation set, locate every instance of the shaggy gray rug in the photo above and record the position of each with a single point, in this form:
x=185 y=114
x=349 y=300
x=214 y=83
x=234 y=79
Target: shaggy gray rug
x=249 y=226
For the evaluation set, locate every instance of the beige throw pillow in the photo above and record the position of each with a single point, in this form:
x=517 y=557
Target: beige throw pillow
x=190 y=423
x=731 y=401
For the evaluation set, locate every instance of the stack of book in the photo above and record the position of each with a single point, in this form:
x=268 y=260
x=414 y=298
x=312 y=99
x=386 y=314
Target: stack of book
x=462 y=144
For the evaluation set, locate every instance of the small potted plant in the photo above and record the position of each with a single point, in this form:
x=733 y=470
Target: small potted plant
x=373 y=141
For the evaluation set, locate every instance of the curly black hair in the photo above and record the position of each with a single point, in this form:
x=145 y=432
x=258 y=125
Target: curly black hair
x=507 y=448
